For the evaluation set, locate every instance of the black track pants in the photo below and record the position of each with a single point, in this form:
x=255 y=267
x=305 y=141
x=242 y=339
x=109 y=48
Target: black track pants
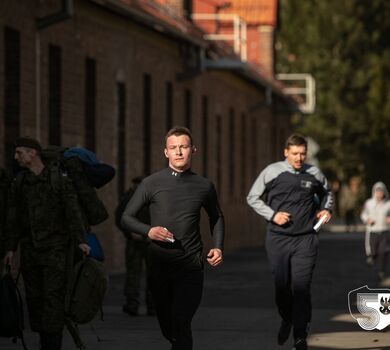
x=292 y=260
x=377 y=248
x=176 y=295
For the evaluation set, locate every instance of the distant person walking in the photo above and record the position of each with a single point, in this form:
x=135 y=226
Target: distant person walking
x=292 y=195
x=175 y=196
x=376 y=216
x=349 y=203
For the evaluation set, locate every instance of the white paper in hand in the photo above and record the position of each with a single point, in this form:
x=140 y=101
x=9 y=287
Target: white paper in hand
x=320 y=223
x=172 y=240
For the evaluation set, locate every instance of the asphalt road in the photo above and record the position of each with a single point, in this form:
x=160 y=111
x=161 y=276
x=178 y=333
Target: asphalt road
x=238 y=311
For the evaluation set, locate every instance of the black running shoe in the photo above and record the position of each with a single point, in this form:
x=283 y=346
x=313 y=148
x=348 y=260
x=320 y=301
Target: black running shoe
x=284 y=332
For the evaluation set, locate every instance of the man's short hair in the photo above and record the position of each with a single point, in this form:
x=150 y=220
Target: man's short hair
x=28 y=142
x=296 y=140
x=178 y=131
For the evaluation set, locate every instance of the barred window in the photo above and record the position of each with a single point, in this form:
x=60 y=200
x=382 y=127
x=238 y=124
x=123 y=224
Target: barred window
x=121 y=155
x=11 y=92
x=90 y=104
x=55 y=76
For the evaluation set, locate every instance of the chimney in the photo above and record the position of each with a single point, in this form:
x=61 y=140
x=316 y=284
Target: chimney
x=266 y=48
x=180 y=8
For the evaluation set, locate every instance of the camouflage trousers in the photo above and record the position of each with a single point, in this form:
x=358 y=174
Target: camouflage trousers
x=136 y=255
x=44 y=274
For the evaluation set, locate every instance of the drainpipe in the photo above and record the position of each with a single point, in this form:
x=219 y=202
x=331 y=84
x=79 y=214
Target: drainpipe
x=268 y=96
x=66 y=12
x=38 y=86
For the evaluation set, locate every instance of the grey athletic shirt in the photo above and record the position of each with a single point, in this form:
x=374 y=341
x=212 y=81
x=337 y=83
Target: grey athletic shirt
x=175 y=201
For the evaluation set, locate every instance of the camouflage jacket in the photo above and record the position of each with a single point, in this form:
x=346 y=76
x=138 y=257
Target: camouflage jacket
x=42 y=211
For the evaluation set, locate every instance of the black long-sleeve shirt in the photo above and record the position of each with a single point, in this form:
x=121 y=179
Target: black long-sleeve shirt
x=175 y=201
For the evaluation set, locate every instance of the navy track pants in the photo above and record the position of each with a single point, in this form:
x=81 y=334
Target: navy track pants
x=292 y=260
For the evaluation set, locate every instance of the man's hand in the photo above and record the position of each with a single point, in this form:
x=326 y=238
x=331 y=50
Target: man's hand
x=281 y=218
x=9 y=258
x=322 y=213
x=214 y=257
x=158 y=233
x=85 y=248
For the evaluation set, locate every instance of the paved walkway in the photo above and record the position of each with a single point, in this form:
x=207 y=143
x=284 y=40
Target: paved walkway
x=238 y=312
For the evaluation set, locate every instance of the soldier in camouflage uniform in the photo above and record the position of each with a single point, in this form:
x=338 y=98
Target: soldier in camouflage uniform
x=45 y=218
x=136 y=254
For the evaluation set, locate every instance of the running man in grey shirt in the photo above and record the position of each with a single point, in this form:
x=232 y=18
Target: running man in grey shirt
x=292 y=195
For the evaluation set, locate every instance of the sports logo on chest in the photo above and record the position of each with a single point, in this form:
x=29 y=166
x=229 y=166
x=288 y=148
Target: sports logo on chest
x=306 y=184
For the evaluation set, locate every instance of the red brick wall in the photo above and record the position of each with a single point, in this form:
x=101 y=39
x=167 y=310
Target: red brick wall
x=260 y=19
x=124 y=51
x=266 y=48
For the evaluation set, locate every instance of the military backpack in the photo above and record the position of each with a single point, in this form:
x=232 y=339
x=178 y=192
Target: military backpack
x=86 y=173
x=87 y=286
x=67 y=161
x=97 y=173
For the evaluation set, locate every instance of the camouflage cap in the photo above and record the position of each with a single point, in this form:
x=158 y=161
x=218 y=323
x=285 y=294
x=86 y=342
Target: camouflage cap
x=29 y=142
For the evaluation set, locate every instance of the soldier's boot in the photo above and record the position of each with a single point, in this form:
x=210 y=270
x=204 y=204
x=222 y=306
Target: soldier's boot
x=131 y=307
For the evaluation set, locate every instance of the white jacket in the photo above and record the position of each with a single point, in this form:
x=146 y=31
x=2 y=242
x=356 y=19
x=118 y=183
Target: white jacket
x=377 y=211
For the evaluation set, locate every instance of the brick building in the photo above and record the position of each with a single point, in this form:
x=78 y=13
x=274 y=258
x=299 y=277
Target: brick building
x=114 y=75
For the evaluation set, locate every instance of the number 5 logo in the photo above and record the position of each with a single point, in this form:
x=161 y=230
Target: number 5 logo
x=369 y=307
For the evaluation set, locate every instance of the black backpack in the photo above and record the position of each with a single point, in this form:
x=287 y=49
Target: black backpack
x=11 y=309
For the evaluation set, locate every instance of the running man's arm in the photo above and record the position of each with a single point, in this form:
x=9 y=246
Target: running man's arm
x=327 y=198
x=254 y=197
x=129 y=220
x=217 y=227
x=325 y=194
x=217 y=224
x=364 y=215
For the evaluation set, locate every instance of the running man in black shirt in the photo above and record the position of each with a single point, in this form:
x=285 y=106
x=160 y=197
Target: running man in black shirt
x=175 y=196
